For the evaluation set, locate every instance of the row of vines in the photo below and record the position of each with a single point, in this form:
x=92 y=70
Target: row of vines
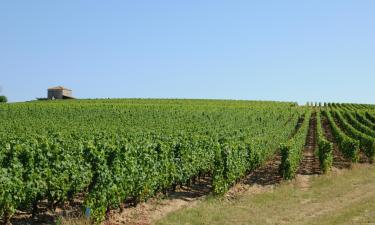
x=110 y=152
x=353 y=129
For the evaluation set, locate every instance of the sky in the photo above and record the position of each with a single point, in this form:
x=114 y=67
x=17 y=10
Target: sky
x=258 y=50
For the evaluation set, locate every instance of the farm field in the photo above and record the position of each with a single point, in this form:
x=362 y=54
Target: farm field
x=95 y=158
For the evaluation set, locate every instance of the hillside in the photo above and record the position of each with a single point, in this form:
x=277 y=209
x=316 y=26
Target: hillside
x=99 y=158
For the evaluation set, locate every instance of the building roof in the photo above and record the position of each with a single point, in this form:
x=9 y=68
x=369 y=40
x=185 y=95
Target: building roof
x=58 y=88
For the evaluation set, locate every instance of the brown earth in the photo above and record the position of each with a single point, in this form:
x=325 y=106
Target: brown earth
x=310 y=162
x=147 y=212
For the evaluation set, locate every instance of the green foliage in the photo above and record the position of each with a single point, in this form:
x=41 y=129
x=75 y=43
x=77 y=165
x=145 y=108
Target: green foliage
x=367 y=143
x=117 y=150
x=291 y=151
x=357 y=125
x=364 y=120
x=3 y=99
x=370 y=117
x=325 y=148
x=325 y=155
x=348 y=146
x=234 y=158
x=113 y=151
x=12 y=192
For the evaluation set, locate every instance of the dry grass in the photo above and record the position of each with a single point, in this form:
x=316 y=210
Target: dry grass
x=345 y=198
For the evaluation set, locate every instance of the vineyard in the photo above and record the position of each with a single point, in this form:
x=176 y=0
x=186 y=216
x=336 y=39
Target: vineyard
x=111 y=152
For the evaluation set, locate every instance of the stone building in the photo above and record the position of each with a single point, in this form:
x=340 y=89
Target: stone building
x=59 y=92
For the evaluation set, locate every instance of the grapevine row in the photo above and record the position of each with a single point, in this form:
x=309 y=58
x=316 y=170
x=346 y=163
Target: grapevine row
x=358 y=126
x=291 y=151
x=371 y=117
x=348 y=146
x=367 y=143
x=362 y=118
x=112 y=152
x=325 y=147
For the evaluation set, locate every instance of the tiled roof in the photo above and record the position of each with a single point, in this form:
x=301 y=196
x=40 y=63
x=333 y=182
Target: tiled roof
x=58 y=88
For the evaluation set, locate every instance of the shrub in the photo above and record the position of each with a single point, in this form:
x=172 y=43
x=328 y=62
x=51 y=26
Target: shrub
x=3 y=98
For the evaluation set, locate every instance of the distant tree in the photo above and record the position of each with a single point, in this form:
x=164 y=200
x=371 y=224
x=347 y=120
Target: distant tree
x=3 y=98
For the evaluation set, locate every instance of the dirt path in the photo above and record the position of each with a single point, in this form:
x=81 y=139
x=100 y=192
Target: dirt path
x=310 y=162
x=268 y=174
x=147 y=212
x=339 y=161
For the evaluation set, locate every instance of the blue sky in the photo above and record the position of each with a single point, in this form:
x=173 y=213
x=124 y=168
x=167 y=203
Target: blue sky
x=265 y=50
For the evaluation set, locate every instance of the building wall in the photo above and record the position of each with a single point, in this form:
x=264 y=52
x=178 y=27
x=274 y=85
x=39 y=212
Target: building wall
x=57 y=94
x=67 y=93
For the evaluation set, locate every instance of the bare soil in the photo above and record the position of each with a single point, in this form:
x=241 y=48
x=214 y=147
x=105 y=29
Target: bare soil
x=310 y=162
x=147 y=212
x=268 y=174
x=46 y=216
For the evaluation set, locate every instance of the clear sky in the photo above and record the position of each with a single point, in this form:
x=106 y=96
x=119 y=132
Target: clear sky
x=265 y=50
